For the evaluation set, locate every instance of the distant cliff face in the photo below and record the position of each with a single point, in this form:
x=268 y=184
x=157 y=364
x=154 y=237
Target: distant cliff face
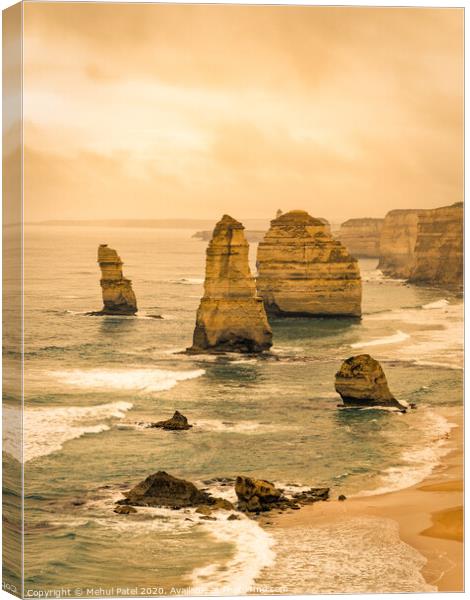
x=361 y=236
x=439 y=247
x=231 y=316
x=304 y=271
x=118 y=296
x=398 y=241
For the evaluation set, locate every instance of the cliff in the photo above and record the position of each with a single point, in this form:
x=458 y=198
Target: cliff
x=398 y=241
x=439 y=247
x=304 y=271
x=361 y=236
x=118 y=296
x=230 y=317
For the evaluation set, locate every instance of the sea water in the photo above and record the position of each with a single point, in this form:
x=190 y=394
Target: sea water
x=92 y=383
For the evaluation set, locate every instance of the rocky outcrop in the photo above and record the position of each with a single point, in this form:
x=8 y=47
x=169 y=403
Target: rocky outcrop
x=398 y=241
x=362 y=382
x=118 y=296
x=361 y=236
x=304 y=271
x=439 y=247
x=178 y=422
x=231 y=316
x=259 y=495
x=162 y=489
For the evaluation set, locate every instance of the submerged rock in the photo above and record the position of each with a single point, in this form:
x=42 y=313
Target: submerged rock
x=304 y=271
x=162 y=489
x=124 y=510
x=362 y=382
x=178 y=422
x=231 y=316
x=118 y=296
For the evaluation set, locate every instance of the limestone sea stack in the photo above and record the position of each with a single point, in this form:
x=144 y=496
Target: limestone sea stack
x=362 y=382
x=118 y=296
x=231 y=316
x=361 y=236
x=304 y=271
x=439 y=247
x=398 y=241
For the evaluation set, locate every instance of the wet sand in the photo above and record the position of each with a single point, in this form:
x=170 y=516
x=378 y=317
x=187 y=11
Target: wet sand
x=429 y=515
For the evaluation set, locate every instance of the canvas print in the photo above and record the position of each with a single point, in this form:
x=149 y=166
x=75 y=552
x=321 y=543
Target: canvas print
x=233 y=300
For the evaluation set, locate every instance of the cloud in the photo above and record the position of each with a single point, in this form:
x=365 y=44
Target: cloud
x=351 y=110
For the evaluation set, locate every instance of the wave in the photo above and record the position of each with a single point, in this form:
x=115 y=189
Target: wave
x=437 y=304
x=189 y=281
x=252 y=553
x=417 y=464
x=396 y=338
x=143 y=380
x=46 y=430
x=351 y=555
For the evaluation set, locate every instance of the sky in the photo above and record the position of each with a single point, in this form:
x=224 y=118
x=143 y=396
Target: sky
x=164 y=111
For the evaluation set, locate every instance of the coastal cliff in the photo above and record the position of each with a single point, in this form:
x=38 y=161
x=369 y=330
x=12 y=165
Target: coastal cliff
x=439 y=247
x=231 y=316
x=118 y=296
x=398 y=241
x=304 y=271
x=361 y=236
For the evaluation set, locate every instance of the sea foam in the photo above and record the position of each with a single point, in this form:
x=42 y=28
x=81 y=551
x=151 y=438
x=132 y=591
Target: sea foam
x=352 y=555
x=45 y=430
x=396 y=338
x=143 y=380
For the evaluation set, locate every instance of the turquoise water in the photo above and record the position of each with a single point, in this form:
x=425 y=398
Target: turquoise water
x=92 y=381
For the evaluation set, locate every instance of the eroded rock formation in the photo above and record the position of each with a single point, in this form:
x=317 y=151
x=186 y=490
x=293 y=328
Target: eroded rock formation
x=259 y=495
x=178 y=422
x=304 y=271
x=361 y=236
x=362 y=382
x=398 y=241
x=162 y=489
x=118 y=296
x=439 y=247
x=231 y=316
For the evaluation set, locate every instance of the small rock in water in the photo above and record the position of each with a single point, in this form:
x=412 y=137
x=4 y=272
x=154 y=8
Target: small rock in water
x=178 y=422
x=204 y=510
x=124 y=510
x=341 y=497
x=233 y=517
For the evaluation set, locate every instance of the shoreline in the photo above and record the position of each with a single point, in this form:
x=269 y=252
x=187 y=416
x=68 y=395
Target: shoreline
x=429 y=515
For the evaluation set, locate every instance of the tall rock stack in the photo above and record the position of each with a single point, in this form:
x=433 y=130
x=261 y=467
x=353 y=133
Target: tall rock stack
x=231 y=316
x=398 y=241
x=439 y=247
x=304 y=271
x=118 y=296
x=361 y=236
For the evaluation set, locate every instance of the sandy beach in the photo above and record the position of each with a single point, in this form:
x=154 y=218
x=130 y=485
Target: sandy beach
x=429 y=516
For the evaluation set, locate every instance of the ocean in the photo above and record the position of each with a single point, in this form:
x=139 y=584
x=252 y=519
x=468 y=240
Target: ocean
x=92 y=383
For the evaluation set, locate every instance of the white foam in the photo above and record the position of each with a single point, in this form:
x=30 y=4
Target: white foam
x=253 y=551
x=143 y=380
x=248 y=427
x=437 y=304
x=350 y=555
x=47 y=429
x=418 y=463
x=396 y=338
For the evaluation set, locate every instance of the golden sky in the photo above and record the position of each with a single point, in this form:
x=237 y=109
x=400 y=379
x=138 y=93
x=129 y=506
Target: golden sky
x=135 y=111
